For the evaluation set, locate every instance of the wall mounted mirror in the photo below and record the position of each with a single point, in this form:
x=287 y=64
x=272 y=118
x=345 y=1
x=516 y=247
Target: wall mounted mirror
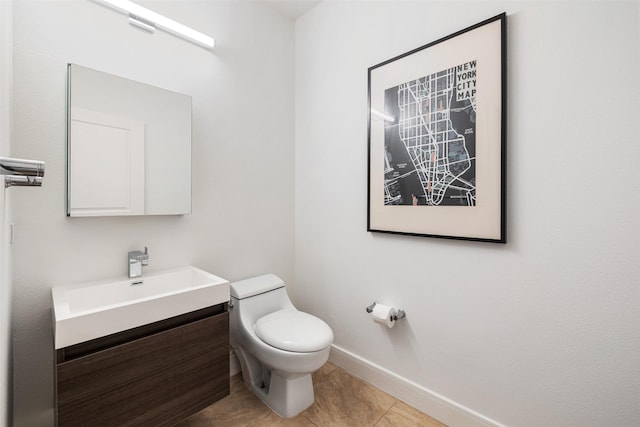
x=128 y=147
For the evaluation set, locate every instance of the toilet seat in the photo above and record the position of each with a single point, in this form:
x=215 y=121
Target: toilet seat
x=293 y=330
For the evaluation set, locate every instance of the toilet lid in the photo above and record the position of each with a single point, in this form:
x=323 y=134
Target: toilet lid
x=294 y=330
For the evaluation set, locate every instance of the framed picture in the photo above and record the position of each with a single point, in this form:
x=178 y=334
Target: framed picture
x=437 y=129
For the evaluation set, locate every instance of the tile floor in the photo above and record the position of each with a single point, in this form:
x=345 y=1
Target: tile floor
x=340 y=400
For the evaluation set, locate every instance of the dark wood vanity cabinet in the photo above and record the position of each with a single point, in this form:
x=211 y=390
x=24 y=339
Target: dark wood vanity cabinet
x=155 y=375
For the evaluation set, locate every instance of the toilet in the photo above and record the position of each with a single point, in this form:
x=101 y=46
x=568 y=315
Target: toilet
x=278 y=346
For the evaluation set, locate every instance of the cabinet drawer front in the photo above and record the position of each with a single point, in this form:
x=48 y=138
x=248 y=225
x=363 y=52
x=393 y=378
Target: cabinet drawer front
x=157 y=380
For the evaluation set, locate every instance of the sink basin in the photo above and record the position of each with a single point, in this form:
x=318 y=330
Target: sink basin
x=92 y=310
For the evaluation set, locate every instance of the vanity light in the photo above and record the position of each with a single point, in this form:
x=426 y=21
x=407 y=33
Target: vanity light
x=148 y=20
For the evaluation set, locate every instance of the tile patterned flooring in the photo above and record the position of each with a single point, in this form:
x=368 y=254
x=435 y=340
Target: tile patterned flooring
x=340 y=400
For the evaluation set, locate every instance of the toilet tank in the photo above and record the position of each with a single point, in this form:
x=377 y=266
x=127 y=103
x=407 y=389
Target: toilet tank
x=259 y=296
x=256 y=285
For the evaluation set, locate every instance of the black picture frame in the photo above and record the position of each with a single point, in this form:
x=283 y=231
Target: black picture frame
x=437 y=138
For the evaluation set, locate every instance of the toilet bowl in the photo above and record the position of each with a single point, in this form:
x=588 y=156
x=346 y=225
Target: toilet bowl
x=278 y=346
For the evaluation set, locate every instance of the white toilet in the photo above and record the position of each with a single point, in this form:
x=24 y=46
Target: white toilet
x=278 y=346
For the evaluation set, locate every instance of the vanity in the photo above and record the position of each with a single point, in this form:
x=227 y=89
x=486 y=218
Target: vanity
x=150 y=353
x=149 y=350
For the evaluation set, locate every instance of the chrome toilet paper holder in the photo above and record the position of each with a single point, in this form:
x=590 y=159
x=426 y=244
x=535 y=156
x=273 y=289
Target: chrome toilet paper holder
x=400 y=314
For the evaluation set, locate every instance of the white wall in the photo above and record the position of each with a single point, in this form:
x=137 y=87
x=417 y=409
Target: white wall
x=542 y=331
x=6 y=383
x=242 y=221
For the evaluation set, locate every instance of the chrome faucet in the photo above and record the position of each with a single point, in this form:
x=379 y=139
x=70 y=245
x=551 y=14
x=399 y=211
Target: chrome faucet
x=136 y=260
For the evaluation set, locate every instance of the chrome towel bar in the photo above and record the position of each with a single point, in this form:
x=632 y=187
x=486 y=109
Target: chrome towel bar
x=21 y=172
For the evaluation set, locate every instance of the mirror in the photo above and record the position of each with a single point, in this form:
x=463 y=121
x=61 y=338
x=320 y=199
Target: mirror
x=128 y=147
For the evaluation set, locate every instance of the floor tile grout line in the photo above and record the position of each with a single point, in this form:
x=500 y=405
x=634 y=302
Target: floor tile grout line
x=266 y=415
x=385 y=412
x=312 y=423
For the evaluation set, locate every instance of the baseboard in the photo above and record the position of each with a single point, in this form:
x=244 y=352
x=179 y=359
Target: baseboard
x=421 y=398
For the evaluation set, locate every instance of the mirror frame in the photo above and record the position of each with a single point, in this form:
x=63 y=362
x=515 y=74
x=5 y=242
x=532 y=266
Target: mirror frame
x=158 y=179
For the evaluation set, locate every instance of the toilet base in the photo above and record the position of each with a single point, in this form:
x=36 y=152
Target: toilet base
x=286 y=394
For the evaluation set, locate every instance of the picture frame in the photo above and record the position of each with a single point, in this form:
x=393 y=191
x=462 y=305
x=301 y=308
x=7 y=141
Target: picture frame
x=437 y=138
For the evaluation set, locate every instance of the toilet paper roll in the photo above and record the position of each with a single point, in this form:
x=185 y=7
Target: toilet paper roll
x=383 y=314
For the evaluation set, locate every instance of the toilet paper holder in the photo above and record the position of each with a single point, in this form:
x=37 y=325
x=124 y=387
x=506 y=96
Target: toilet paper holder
x=400 y=314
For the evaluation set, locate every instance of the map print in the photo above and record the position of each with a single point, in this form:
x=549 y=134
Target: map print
x=430 y=139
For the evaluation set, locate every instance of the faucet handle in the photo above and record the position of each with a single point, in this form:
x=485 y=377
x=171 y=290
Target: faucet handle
x=145 y=258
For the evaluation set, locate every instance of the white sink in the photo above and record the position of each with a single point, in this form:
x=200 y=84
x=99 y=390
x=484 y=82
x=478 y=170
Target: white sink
x=97 y=309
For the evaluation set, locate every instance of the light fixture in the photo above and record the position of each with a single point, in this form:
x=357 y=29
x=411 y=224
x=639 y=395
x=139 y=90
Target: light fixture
x=148 y=20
